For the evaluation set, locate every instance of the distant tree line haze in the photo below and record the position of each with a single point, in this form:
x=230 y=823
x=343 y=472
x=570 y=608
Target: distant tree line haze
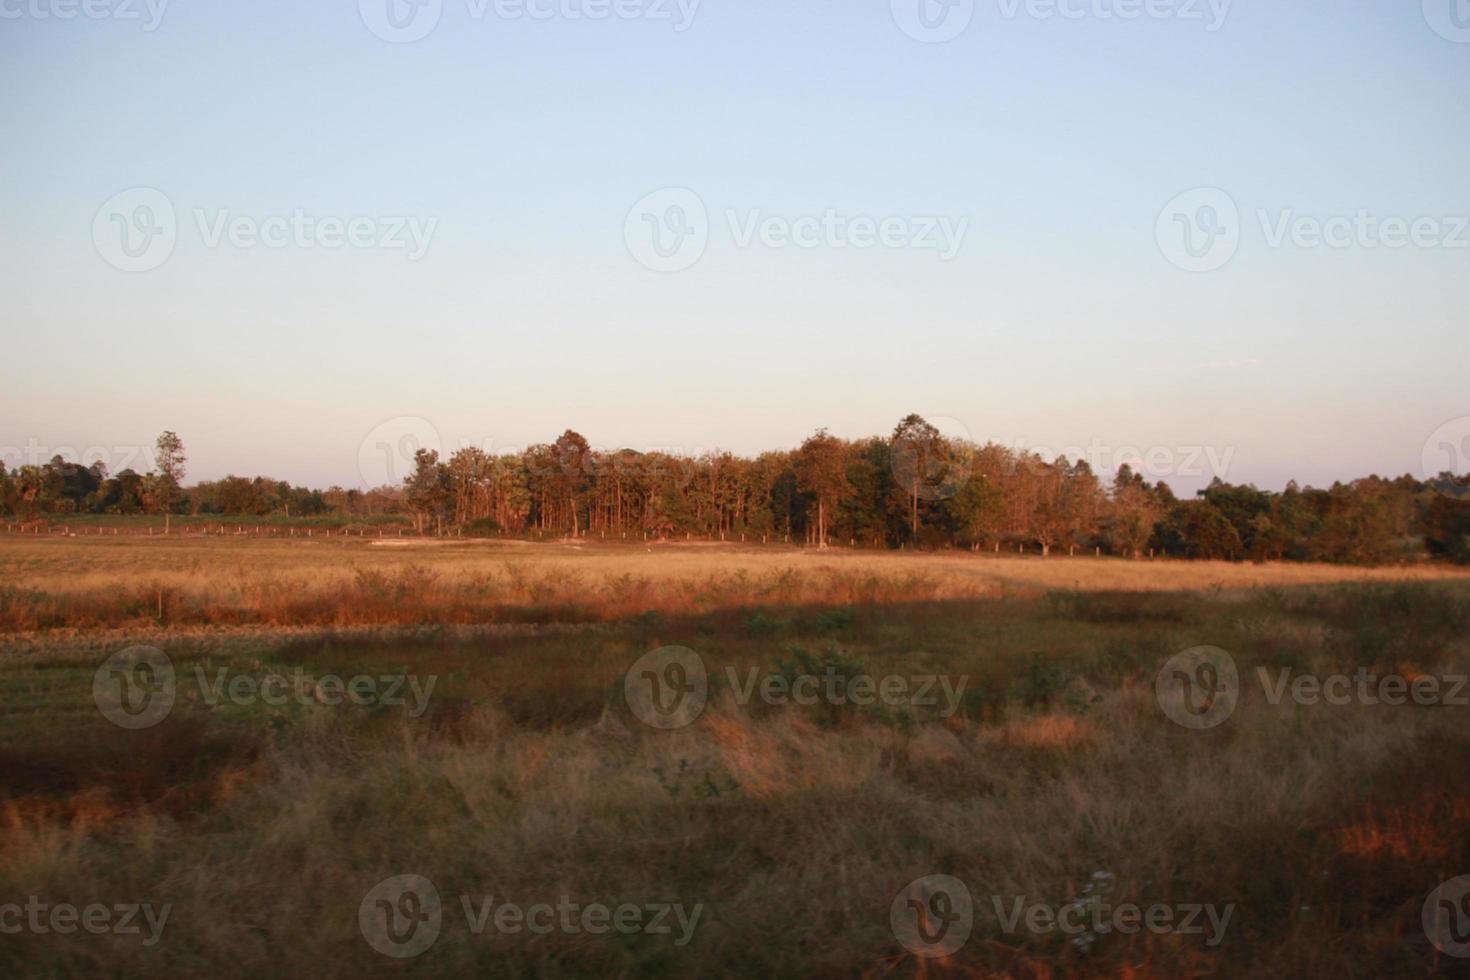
x=914 y=488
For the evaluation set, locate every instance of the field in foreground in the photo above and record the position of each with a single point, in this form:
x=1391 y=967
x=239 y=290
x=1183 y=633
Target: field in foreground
x=1043 y=771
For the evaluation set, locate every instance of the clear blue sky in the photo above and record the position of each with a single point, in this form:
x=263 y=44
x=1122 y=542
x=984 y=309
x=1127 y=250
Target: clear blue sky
x=1060 y=322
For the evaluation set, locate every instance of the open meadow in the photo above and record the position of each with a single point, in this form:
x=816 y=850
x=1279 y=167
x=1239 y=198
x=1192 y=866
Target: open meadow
x=665 y=490
x=339 y=758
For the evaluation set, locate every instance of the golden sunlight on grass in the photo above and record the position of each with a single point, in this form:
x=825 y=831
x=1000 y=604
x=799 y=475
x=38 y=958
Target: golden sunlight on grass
x=1049 y=767
x=102 y=582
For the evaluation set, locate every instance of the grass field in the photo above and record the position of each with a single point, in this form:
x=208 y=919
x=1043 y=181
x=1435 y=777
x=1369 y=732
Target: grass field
x=1042 y=768
x=85 y=582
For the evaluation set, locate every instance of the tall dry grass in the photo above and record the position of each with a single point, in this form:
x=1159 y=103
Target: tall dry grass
x=1325 y=826
x=795 y=838
x=91 y=583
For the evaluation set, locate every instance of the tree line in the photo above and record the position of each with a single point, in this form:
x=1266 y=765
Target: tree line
x=912 y=488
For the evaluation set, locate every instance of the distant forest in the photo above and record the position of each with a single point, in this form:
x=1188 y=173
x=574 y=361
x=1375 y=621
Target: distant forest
x=914 y=488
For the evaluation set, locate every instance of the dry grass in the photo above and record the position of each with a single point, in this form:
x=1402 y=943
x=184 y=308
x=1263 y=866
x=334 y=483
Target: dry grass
x=109 y=582
x=1325 y=826
x=811 y=834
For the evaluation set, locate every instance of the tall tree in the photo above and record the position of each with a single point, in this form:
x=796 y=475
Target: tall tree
x=171 y=469
x=574 y=459
x=427 y=487
x=1135 y=511
x=916 y=455
x=821 y=470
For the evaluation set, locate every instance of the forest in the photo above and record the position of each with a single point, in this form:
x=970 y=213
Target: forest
x=914 y=488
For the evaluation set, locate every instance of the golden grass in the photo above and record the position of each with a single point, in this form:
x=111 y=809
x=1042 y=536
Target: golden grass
x=100 y=582
x=1324 y=825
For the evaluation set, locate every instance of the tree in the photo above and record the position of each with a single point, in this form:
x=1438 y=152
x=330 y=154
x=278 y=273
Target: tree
x=427 y=488
x=1198 y=529
x=170 y=463
x=574 y=459
x=471 y=481
x=821 y=470
x=1067 y=503
x=864 y=513
x=1447 y=524
x=8 y=494
x=916 y=454
x=979 y=506
x=1134 y=512
x=912 y=485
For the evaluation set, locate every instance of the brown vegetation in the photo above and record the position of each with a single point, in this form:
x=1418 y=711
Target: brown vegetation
x=1325 y=826
x=116 y=582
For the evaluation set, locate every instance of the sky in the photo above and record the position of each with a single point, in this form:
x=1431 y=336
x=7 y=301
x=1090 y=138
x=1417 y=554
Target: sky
x=1228 y=236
